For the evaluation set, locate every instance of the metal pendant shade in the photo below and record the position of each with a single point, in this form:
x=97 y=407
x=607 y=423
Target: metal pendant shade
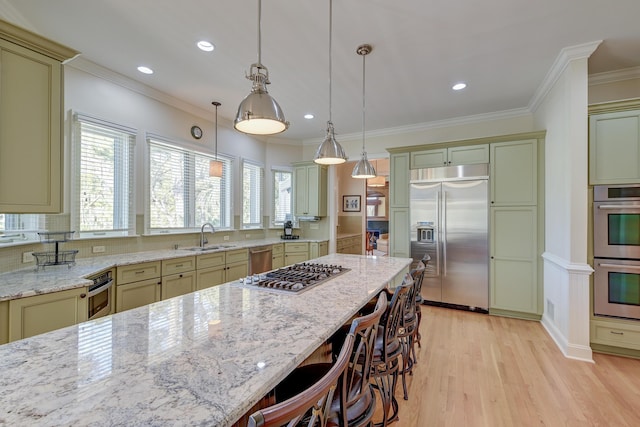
x=363 y=169
x=259 y=113
x=330 y=152
x=216 y=166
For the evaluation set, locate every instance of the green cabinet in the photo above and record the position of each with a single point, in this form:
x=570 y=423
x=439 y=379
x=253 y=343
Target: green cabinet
x=211 y=269
x=399 y=226
x=178 y=276
x=31 y=115
x=614 y=147
x=513 y=173
x=310 y=190
x=450 y=156
x=4 y=322
x=295 y=253
x=318 y=249
x=237 y=264
x=44 y=313
x=513 y=260
x=137 y=294
x=399 y=181
x=277 y=256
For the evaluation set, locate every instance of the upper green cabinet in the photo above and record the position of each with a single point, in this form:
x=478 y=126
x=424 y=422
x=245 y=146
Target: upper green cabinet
x=310 y=190
x=514 y=177
x=614 y=147
x=451 y=156
x=31 y=108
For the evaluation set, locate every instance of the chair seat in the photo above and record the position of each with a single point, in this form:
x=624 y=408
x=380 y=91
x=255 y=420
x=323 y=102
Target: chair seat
x=394 y=348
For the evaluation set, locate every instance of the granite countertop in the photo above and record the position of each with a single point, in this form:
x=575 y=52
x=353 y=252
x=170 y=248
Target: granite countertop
x=28 y=282
x=203 y=358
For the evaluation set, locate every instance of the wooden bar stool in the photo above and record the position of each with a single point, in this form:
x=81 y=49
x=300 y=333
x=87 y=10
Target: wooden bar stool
x=311 y=407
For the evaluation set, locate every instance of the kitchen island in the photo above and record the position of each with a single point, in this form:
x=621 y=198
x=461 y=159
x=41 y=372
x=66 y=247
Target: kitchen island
x=203 y=358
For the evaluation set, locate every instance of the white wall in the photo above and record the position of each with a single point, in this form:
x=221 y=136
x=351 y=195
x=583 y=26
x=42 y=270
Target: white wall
x=563 y=113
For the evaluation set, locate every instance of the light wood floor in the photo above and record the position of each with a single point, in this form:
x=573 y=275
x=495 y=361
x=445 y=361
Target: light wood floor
x=480 y=370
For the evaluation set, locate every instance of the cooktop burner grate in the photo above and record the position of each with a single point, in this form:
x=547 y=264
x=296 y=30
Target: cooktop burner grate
x=295 y=278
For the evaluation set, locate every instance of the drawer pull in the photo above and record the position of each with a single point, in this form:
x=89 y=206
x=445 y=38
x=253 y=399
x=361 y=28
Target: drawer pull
x=178 y=265
x=616 y=333
x=139 y=272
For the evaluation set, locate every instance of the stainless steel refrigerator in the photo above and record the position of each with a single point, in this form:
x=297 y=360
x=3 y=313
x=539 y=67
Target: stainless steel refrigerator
x=449 y=221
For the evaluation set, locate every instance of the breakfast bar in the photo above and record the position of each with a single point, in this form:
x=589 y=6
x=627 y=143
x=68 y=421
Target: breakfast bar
x=205 y=358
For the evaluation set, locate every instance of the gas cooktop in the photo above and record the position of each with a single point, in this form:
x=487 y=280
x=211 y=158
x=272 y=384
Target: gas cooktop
x=295 y=278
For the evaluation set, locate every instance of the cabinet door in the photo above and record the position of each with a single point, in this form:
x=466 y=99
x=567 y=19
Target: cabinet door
x=323 y=248
x=236 y=271
x=300 y=186
x=429 y=158
x=399 y=181
x=614 y=148
x=4 y=322
x=178 y=284
x=137 y=294
x=277 y=261
x=310 y=190
x=209 y=277
x=30 y=131
x=295 y=258
x=313 y=250
x=468 y=155
x=44 y=313
x=514 y=173
x=513 y=260
x=399 y=232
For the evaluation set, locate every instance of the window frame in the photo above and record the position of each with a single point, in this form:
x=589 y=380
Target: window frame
x=257 y=206
x=274 y=221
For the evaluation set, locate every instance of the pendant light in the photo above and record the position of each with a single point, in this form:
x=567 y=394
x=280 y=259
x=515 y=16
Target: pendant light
x=215 y=166
x=363 y=169
x=259 y=113
x=330 y=152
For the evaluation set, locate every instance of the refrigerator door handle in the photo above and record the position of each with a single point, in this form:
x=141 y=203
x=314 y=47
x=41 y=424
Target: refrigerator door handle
x=437 y=233
x=444 y=233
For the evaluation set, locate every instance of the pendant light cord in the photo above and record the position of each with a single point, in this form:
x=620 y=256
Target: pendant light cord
x=363 y=108
x=259 y=33
x=217 y=104
x=330 y=31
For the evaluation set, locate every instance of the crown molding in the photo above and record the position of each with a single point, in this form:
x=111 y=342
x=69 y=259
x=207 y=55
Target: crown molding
x=566 y=55
x=614 y=76
x=422 y=127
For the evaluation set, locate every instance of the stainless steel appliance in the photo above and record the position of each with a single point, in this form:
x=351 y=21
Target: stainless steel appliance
x=100 y=295
x=616 y=288
x=260 y=259
x=616 y=221
x=449 y=216
x=616 y=251
x=297 y=277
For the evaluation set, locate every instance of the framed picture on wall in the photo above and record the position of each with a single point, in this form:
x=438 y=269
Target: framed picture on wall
x=350 y=203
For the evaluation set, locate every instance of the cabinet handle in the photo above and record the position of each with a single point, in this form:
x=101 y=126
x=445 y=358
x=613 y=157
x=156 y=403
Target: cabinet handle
x=139 y=272
x=178 y=265
x=492 y=202
x=616 y=333
x=180 y=275
x=83 y=295
x=159 y=283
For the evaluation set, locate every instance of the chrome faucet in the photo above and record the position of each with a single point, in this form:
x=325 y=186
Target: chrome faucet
x=204 y=241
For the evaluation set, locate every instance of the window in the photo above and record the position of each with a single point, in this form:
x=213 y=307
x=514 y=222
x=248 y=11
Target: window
x=19 y=227
x=182 y=195
x=102 y=200
x=282 y=196
x=252 y=189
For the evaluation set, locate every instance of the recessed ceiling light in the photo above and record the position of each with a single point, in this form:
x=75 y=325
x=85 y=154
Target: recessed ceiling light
x=145 y=70
x=459 y=86
x=205 y=45
x=309 y=116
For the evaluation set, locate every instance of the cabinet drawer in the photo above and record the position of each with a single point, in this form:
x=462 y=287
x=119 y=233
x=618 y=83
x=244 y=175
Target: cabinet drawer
x=616 y=335
x=277 y=249
x=296 y=247
x=135 y=272
x=238 y=255
x=214 y=259
x=178 y=265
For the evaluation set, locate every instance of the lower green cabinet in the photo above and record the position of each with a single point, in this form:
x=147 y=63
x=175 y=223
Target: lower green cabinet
x=137 y=294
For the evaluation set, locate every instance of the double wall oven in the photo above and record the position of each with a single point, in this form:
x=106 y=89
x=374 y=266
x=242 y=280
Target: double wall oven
x=616 y=251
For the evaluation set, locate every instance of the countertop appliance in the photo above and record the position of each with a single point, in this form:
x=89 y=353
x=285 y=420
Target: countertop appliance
x=297 y=277
x=449 y=217
x=616 y=251
x=100 y=295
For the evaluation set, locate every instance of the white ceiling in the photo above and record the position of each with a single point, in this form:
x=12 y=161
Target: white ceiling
x=502 y=48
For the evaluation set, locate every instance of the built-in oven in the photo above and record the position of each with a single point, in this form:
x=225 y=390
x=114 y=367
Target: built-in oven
x=616 y=288
x=616 y=221
x=100 y=295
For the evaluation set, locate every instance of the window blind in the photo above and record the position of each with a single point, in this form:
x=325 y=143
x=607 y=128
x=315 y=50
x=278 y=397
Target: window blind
x=103 y=183
x=182 y=195
x=282 y=196
x=252 y=194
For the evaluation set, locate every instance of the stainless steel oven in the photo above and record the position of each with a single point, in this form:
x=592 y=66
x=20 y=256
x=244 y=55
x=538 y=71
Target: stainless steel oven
x=616 y=288
x=100 y=295
x=616 y=221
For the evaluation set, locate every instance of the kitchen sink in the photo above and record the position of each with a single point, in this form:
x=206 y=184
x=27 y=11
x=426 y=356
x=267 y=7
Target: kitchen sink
x=208 y=248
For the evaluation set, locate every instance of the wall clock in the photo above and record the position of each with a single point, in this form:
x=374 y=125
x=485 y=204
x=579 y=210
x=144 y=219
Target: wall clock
x=196 y=132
